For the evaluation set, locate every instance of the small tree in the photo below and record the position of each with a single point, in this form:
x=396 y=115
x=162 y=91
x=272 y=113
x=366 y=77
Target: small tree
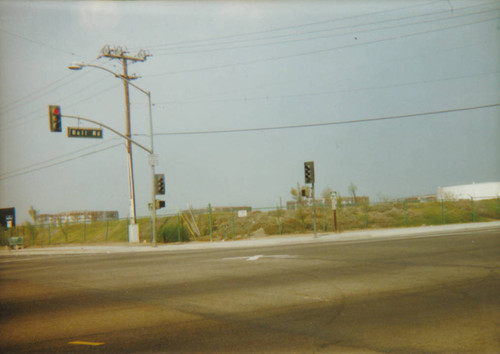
x=296 y=194
x=352 y=190
x=32 y=226
x=327 y=195
x=33 y=213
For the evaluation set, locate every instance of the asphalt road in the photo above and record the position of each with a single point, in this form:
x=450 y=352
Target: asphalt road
x=431 y=294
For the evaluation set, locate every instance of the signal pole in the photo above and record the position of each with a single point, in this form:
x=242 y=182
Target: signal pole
x=309 y=178
x=122 y=55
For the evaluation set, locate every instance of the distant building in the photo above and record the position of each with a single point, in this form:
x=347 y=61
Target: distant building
x=77 y=217
x=420 y=199
x=345 y=201
x=218 y=210
x=476 y=191
x=292 y=204
x=359 y=200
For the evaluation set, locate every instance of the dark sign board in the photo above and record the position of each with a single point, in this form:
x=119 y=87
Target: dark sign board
x=84 y=133
x=8 y=217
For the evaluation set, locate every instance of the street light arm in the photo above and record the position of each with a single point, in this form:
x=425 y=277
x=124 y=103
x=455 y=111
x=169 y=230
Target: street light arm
x=79 y=66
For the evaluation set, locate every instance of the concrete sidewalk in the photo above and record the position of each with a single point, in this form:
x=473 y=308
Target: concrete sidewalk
x=257 y=242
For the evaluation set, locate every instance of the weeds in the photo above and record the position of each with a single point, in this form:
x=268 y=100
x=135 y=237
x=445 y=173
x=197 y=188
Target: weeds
x=227 y=225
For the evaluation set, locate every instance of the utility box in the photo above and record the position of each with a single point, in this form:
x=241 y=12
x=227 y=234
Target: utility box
x=16 y=242
x=133 y=233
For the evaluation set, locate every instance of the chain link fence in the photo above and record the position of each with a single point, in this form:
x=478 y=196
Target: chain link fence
x=208 y=224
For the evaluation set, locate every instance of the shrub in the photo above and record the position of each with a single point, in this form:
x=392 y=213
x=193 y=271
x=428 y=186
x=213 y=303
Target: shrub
x=170 y=233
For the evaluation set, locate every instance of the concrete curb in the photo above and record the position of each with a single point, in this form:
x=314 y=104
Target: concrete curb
x=423 y=231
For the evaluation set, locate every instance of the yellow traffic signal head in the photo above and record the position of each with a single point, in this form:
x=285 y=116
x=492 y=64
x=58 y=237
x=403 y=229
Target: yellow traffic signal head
x=55 y=118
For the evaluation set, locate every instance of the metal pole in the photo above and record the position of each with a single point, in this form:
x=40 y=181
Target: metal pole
x=178 y=227
x=210 y=220
x=366 y=217
x=232 y=221
x=126 y=82
x=323 y=216
x=472 y=207
x=335 y=226
x=279 y=220
x=406 y=217
x=443 y=213
x=314 y=212
x=152 y=163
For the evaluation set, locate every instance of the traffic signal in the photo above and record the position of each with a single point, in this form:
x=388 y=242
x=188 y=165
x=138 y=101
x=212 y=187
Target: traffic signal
x=159 y=184
x=159 y=204
x=309 y=171
x=55 y=118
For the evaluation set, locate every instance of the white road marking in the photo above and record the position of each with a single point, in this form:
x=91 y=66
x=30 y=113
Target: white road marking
x=259 y=256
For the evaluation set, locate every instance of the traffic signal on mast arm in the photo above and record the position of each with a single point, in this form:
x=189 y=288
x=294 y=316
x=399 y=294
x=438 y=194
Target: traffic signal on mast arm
x=55 y=118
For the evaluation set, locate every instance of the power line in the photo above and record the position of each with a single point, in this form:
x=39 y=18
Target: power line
x=200 y=50
x=41 y=92
x=34 y=168
x=319 y=51
x=280 y=29
x=23 y=119
x=40 y=43
x=323 y=93
x=313 y=125
x=51 y=159
x=27 y=170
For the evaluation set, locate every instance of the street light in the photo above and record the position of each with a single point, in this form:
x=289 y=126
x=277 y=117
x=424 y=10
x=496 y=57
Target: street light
x=152 y=157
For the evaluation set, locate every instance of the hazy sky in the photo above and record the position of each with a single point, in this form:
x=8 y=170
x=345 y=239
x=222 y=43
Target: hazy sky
x=220 y=66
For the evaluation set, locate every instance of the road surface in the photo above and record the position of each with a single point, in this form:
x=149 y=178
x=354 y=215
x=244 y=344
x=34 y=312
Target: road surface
x=438 y=293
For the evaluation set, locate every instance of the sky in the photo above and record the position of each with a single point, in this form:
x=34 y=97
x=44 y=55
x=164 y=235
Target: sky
x=396 y=97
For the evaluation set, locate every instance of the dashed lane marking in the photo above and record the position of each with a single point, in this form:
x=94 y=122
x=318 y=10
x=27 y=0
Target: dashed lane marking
x=94 y=344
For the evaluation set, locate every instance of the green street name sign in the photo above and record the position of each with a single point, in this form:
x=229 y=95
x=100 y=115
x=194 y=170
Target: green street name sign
x=84 y=133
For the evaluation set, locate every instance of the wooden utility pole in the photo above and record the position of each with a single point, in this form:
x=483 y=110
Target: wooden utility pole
x=122 y=55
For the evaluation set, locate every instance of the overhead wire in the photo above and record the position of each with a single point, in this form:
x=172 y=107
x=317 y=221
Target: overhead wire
x=319 y=51
x=33 y=168
x=412 y=17
x=253 y=33
x=54 y=158
x=19 y=121
x=40 y=43
x=46 y=164
x=312 y=125
x=279 y=29
x=41 y=93
x=321 y=93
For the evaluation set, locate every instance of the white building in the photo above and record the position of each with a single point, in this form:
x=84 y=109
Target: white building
x=476 y=191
